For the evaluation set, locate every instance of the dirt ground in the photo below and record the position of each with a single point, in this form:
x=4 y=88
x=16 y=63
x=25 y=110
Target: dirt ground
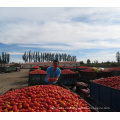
x=14 y=80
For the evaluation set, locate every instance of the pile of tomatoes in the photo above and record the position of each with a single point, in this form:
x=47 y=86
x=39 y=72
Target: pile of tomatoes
x=88 y=70
x=67 y=71
x=42 y=98
x=68 y=67
x=114 y=69
x=113 y=82
x=35 y=67
x=82 y=67
x=38 y=72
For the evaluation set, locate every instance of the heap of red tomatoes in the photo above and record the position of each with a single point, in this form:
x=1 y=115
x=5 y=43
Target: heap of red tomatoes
x=67 y=67
x=88 y=70
x=114 y=69
x=42 y=98
x=38 y=72
x=83 y=67
x=113 y=82
x=35 y=67
x=67 y=71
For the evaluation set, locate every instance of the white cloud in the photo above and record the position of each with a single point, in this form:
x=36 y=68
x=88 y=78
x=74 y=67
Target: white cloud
x=101 y=56
x=78 y=28
x=16 y=60
x=76 y=35
x=55 y=25
x=16 y=53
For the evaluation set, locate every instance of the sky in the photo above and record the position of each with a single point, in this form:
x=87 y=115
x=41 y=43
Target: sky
x=86 y=32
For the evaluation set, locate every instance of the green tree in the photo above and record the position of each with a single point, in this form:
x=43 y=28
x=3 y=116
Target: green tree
x=88 y=61
x=25 y=57
x=81 y=63
x=43 y=57
x=118 y=57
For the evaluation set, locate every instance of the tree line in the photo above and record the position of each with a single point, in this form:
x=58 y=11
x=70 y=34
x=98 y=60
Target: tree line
x=47 y=57
x=103 y=64
x=4 y=58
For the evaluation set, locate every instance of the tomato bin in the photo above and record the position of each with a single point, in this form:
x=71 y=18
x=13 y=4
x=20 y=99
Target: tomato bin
x=61 y=67
x=68 y=77
x=37 y=77
x=80 y=68
x=106 y=92
x=34 y=68
x=43 y=98
x=44 y=67
x=90 y=74
x=69 y=67
x=115 y=71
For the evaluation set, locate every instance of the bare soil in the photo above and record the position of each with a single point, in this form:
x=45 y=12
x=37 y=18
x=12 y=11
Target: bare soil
x=14 y=80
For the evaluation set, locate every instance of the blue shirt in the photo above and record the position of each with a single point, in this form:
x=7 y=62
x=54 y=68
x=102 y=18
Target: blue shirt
x=53 y=74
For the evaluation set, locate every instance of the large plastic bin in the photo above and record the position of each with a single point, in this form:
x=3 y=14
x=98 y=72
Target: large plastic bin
x=94 y=91
x=69 y=79
x=36 y=79
x=115 y=73
x=105 y=96
x=99 y=107
x=115 y=100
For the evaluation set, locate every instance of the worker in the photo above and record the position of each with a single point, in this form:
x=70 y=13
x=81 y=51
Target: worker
x=53 y=72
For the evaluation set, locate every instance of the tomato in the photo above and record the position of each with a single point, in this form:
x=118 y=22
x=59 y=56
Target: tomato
x=113 y=82
x=25 y=105
x=14 y=108
x=41 y=98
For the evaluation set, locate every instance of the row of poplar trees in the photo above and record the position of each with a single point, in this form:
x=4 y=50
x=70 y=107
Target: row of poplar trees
x=4 y=58
x=46 y=57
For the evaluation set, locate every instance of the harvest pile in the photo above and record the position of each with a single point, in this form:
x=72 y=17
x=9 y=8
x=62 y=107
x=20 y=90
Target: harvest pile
x=35 y=67
x=38 y=72
x=69 y=67
x=114 y=69
x=67 y=71
x=88 y=70
x=113 y=82
x=83 y=67
x=42 y=98
x=94 y=69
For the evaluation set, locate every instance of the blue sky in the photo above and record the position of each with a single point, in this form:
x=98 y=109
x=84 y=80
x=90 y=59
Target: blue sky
x=87 y=32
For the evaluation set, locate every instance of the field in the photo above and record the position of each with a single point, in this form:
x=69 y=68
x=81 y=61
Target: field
x=13 y=80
